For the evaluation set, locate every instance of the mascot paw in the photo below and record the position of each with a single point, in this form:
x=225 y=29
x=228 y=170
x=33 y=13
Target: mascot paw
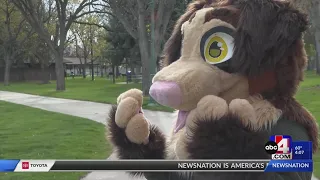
x=129 y=116
x=213 y=108
x=244 y=110
x=212 y=118
x=208 y=108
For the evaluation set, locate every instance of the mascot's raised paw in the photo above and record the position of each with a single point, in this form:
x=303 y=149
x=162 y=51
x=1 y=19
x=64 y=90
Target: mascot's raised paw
x=129 y=116
x=213 y=108
x=242 y=109
x=215 y=128
x=131 y=135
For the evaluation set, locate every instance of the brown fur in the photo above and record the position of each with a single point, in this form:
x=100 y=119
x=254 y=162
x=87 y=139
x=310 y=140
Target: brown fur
x=246 y=113
x=289 y=73
x=266 y=114
x=202 y=146
x=128 y=150
x=173 y=45
x=269 y=82
x=239 y=90
x=197 y=78
x=266 y=69
x=209 y=104
x=269 y=51
x=125 y=149
x=227 y=14
x=261 y=113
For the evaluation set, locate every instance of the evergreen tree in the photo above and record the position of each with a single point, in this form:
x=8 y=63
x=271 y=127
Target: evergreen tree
x=121 y=46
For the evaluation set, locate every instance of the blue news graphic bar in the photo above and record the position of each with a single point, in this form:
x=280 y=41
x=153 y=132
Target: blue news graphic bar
x=289 y=166
x=8 y=165
x=244 y=165
x=302 y=150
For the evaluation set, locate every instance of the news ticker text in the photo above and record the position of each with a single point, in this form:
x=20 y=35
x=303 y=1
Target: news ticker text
x=157 y=165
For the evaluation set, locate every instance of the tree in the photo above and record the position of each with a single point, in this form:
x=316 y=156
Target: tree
x=312 y=7
x=82 y=43
x=136 y=15
x=64 y=13
x=315 y=19
x=99 y=47
x=179 y=9
x=14 y=34
x=119 y=44
x=38 y=52
x=135 y=58
x=311 y=52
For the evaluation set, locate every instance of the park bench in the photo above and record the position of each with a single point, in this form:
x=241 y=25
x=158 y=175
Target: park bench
x=138 y=78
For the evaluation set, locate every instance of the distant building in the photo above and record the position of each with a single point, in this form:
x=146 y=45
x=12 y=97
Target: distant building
x=28 y=72
x=32 y=71
x=73 y=64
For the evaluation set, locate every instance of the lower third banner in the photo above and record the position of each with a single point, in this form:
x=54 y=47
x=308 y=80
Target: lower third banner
x=157 y=165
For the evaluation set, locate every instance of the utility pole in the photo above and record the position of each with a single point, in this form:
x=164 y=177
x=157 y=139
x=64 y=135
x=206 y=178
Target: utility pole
x=92 y=66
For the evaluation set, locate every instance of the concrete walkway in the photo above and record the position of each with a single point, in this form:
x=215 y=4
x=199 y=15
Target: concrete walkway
x=85 y=109
x=90 y=110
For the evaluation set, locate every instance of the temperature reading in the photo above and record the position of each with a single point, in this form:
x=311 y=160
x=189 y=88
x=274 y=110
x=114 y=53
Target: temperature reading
x=298 y=148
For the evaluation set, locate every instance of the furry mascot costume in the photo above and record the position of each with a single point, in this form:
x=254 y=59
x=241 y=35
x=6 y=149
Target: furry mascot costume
x=232 y=70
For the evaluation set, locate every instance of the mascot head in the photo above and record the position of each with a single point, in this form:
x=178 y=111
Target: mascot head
x=235 y=49
x=232 y=49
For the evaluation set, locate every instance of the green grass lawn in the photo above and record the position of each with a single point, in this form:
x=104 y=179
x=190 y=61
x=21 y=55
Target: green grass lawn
x=101 y=90
x=309 y=96
x=29 y=133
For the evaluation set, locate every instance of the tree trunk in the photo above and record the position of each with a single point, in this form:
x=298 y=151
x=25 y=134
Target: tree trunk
x=59 y=68
x=144 y=51
x=101 y=71
x=145 y=71
x=45 y=74
x=309 y=67
x=113 y=75
x=117 y=71
x=7 y=70
x=84 y=75
x=317 y=58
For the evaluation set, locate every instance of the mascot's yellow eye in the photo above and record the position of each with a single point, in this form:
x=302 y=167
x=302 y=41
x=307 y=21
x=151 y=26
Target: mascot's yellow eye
x=217 y=45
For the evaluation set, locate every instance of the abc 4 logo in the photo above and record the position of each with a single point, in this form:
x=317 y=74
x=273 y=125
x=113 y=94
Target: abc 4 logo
x=281 y=147
x=271 y=147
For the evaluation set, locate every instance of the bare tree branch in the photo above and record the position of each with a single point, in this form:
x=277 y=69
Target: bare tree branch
x=119 y=14
x=94 y=24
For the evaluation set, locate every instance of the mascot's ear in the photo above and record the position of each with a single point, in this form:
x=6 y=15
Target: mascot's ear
x=266 y=32
x=172 y=47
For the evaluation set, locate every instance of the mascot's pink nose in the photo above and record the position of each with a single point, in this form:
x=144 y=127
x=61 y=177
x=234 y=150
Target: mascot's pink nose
x=166 y=93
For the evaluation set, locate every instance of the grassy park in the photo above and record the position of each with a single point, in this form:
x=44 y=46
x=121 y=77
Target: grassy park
x=309 y=96
x=101 y=90
x=44 y=41
x=29 y=133
x=50 y=135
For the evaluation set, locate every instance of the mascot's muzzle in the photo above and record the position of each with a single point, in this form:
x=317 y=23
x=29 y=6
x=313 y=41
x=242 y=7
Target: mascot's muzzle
x=166 y=93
